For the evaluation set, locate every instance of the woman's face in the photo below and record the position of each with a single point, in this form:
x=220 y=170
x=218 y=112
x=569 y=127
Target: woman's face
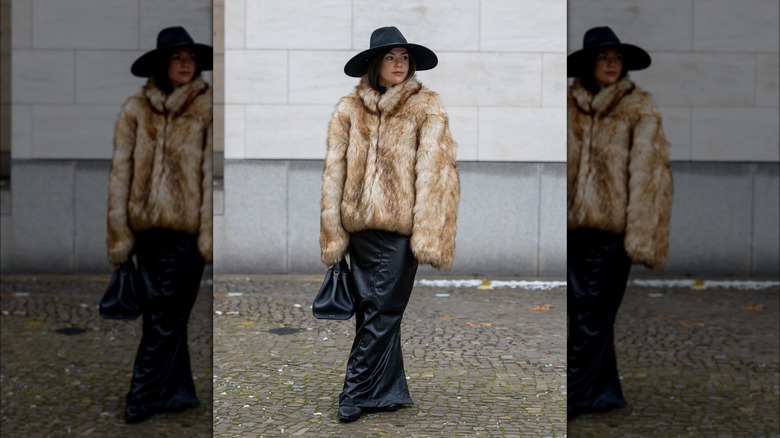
x=609 y=66
x=181 y=68
x=394 y=67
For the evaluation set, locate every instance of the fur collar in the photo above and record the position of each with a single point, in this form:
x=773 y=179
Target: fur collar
x=178 y=100
x=605 y=99
x=389 y=102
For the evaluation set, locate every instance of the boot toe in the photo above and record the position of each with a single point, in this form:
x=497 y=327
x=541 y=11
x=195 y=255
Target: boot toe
x=348 y=414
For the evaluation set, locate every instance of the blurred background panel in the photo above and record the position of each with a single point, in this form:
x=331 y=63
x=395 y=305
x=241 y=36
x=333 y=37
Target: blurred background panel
x=715 y=74
x=65 y=75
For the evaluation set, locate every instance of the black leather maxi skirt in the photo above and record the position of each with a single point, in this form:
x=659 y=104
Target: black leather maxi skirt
x=171 y=268
x=383 y=270
x=597 y=274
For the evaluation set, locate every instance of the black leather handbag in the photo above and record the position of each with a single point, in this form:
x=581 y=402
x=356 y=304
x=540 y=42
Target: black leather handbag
x=335 y=300
x=121 y=300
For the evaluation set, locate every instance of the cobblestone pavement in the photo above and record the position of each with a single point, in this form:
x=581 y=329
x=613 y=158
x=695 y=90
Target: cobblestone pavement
x=479 y=363
x=55 y=384
x=694 y=363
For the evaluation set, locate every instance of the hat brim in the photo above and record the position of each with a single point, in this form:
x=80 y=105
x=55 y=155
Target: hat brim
x=147 y=63
x=634 y=58
x=424 y=58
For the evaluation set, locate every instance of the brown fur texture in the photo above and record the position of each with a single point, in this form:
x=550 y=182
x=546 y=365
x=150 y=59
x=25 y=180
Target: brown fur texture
x=618 y=168
x=161 y=174
x=391 y=165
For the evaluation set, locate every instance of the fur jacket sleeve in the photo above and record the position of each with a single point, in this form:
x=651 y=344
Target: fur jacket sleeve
x=619 y=178
x=391 y=165
x=161 y=175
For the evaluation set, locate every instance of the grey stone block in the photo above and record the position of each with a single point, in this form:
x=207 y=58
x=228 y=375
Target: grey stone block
x=91 y=199
x=253 y=238
x=40 y=233
x=498 y=225
x=711 y=219
x=511 y=221
x=498 y=219
x=303 y=226
x=552 y=222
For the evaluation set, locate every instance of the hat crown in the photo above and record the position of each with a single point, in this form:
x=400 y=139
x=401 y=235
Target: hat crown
x=171 y=36
x=600 y=36
x=385 y=36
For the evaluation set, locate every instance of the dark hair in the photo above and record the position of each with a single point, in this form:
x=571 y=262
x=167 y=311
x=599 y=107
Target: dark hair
x=375 y=67
x=587 y=78
x=161 y=65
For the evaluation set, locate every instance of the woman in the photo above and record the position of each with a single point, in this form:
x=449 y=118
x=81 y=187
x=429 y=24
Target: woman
x=390 y=192
x=160 y=209
x=619 y=203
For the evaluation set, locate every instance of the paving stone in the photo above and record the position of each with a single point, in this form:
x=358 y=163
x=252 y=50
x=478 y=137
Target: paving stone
x=694 y=363
x=480 y=363
x=461 y=355
x=56 y=385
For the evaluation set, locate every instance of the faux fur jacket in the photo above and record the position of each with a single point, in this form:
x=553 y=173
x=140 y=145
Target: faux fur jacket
x=391 y=165
x=161 y=169
x=618 y=168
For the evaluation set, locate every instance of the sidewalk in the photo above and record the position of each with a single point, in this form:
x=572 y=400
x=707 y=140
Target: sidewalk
x=479 y=362
x=694 y=363
x=65 y=372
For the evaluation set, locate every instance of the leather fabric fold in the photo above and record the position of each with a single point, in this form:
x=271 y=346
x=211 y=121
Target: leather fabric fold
x=383 y=271
x=171 y=268
x=597 y=274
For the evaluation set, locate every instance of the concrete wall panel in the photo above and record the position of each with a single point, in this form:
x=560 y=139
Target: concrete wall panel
x=711 y=220
x=768 y=80
x=431 y=23
x=193 y=15
x=517 y=134
x=90 y=216
x=69 y=131
x=660 y=25
x=252 y=233
x=723 y=134
x=552 y=220
x=278 y=132
x=527 y=26
x=21 y=131
x=748 y=25
x=85 y=24
x=255 y=77
x=303 y=211
x=43 y=76
x=291 y=25
x=42 y=224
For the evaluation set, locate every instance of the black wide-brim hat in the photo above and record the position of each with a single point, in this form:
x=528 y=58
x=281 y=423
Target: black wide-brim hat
x=383 y=40
x=597 y=40
x=169 y=40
